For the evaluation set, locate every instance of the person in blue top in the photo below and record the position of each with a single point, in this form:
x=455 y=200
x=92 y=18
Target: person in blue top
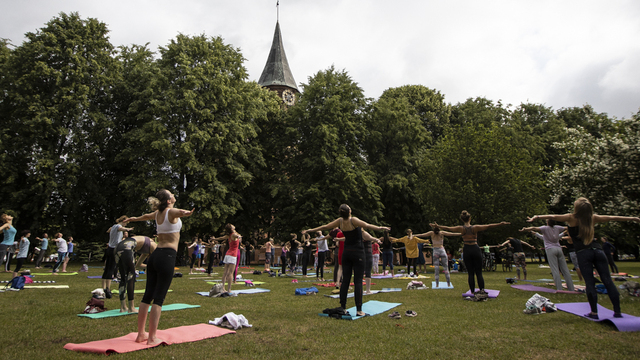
x=9 y=233
x=23 y=251
x=44 y=245
x=70 y=245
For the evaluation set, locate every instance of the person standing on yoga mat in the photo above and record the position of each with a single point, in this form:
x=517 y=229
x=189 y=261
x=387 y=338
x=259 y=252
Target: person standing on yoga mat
x=471 y=253
x=411 y=248
x=44 y=245
x=307 y=248
x=439 y=254
x=387 y=252
x=23 y=250
x=321 y=242
x=161 y=262
x=550 y=235
x=231 y=256
x=353 y=257
x=125 y=254
x=115 y=236
x=9 y=233
x=267 y=254
x=368 y=254
x=293 y=252
x=590 y=255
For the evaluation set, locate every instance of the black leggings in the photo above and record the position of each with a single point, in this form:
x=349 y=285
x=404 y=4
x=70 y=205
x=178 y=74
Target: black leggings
x=293 y=256
x=110 y=266
x=352 y=261
x=306 y=255
x=19 y=263
x=412 y=262
x=596 y=258
x=473 y=262
x=612 y=264
x=320 y=266
x=159 y=275
x=211 y=260
x=127 y=268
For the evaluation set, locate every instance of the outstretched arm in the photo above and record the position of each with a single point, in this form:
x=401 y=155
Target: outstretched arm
x=145 y=217
x=529 y=245
x=448 y=228
x=530 y=228
x=329 y=226
x=424 y=235
x=562 y=218
x=489 y=226
x=366 y=225
x=607 y=218
x=446 y=233
x=178 y=213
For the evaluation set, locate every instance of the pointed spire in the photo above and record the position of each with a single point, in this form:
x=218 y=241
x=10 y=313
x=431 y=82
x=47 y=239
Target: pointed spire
x=277 y=71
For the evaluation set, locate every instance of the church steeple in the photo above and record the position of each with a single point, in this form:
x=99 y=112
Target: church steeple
x=277 y=75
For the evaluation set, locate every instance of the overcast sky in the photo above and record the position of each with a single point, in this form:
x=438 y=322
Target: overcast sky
x=557 y=53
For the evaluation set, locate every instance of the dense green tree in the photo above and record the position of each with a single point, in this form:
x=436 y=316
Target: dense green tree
x=196 y=137
x=57 y=90
x=326 y=164
x=478 y=169
x=428 y=105
x=397 y=138
x=596 y=124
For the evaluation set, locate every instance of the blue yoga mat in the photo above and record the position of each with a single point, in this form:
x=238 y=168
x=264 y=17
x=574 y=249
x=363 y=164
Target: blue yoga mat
x=370 y=308
x=441 y=285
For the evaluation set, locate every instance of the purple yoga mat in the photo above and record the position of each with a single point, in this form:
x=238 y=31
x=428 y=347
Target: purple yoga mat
x=533 y=288
x=94 y=277
x=625 y=323
x=382 y=276
x=492 y=293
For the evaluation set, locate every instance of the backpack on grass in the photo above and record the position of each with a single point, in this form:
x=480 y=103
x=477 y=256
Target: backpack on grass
x=17 y=283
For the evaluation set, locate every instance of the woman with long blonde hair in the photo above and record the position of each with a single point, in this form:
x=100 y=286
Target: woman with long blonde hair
x=590 y=255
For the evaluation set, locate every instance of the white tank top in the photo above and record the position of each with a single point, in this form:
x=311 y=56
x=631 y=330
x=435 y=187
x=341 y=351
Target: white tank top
x=167 y=227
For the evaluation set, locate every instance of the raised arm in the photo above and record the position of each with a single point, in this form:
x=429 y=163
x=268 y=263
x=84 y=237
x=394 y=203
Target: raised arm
x=607 y=218
x=329 y=226
x=178 y=213
x=424 y=235
x=446 y=233
x=529 y=245
x=530 y=228
x=562 y=218
x=448 y=228
x=366 y=225
x=478 y=228
x=145 y=217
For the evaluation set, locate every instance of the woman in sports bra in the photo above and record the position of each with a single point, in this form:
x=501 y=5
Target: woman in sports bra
x=471 y=251
x=124 y=255
x=353 y=257
x=161 y=262
x=439 y=254
x=231 y=256
x=589 y=252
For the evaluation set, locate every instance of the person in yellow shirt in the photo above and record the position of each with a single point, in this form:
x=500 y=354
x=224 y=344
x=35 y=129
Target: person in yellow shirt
x=411 y=249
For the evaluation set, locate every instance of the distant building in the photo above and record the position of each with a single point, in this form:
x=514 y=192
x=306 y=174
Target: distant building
x=277 y=75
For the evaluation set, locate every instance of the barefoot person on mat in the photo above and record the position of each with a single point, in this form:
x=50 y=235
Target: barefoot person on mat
x=161 y=262
x=353 y=257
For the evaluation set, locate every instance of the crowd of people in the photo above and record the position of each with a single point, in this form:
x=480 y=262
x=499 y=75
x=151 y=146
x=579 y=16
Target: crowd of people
x=357 y=254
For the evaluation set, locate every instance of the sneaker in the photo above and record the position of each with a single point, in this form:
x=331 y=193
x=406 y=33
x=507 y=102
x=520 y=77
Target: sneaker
x=107 y=293
x=532 y=311
x=395 y=315
x=410 y=313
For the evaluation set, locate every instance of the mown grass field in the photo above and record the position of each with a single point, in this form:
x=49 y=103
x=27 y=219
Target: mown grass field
x=37 y=323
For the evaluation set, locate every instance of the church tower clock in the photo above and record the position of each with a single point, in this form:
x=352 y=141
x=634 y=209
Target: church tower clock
x=277 y=75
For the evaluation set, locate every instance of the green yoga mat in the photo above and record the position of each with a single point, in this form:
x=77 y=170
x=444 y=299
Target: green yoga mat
x=370 y=308
x=136 y=291
x=116 y=312
x=59 y=273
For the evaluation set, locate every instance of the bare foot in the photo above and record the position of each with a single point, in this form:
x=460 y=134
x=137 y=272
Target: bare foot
x=124 y=310
x=360 y=313
x=155 y=341
x=142 y=337
x=368 y=292
x=133 y=311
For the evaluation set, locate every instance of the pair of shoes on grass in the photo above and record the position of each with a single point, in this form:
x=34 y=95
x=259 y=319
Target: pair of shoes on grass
x=409 y=313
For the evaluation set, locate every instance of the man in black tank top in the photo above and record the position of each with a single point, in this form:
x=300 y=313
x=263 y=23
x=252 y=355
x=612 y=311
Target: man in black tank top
x=518 y=255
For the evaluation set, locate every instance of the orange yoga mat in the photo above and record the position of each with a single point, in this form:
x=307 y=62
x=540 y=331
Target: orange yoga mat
x=177 y=335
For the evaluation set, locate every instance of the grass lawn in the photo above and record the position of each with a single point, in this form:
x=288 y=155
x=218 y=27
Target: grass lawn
x=37 y=323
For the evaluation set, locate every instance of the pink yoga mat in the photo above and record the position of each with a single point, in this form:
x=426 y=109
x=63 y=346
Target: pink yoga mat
x=625 y=323
x=171 y=336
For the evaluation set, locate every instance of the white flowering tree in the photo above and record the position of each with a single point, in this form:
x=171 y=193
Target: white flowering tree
x=606 y=170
